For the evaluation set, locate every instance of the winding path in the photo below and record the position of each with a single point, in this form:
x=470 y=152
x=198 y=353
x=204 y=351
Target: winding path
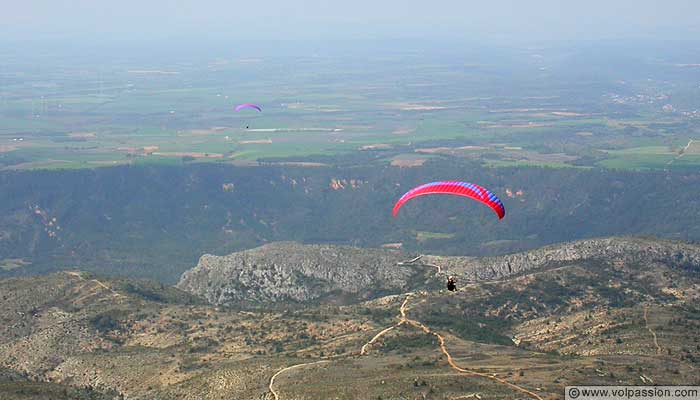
x=405 y=320
x=653 y=334
x=363 y=351
x=414 y=260
x=97 y=282
x=402 y=321
x=443 y=348
x=270 y=387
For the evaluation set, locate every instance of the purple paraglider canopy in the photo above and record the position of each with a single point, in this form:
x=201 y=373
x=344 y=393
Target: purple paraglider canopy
x=248 y=105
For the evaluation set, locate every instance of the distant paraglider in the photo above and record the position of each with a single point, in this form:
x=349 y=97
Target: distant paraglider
x=248 y=105
x=455 y=188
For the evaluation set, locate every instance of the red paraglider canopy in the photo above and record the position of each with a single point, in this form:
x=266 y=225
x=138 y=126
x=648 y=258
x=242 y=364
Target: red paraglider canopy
x=455 y=188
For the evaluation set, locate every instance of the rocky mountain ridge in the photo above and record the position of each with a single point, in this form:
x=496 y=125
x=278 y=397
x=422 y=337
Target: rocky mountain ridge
x=285 y=271
x=610 y=303
x=290 y=271
x=613 y=249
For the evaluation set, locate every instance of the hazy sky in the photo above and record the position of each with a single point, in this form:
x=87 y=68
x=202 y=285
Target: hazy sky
x=301 y=19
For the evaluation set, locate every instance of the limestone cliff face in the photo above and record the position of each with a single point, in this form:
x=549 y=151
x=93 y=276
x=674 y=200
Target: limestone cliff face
x=616 y=249
x=291 y=271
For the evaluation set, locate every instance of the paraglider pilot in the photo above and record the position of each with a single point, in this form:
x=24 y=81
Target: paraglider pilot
x=451 y=285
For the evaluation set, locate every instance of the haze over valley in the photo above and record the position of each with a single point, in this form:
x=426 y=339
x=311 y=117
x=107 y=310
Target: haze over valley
x=323 y=201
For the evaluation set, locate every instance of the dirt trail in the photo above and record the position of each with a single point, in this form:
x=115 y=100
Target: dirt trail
x=414 y=261
x=405 y=320
x=100 y=284
x=653 y=334
x=439 y=268
x=375 y=338
x=275 y=395
x=402 y=321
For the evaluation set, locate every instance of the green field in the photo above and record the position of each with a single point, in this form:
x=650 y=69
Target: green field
x=117 y=112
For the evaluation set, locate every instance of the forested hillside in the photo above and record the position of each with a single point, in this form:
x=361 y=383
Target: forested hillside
x=156 y=222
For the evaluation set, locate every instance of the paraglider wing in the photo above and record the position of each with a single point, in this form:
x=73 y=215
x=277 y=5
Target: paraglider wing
x=455 y=188
x=248 y=105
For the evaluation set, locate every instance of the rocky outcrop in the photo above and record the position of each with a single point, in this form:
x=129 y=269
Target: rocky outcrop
x=615 y=249
x=290 y=271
